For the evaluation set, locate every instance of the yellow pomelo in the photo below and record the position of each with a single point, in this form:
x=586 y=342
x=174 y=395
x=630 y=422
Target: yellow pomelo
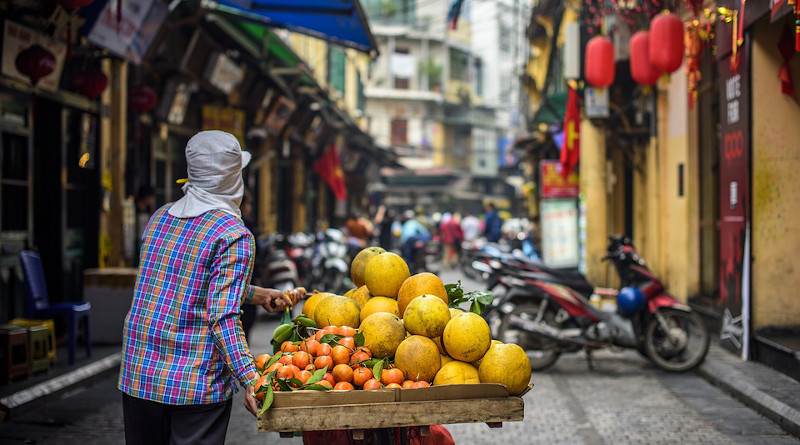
x=359 y=265
x=466 y=337
x=379 y=304
x=426 y=315
x=383 y=333
x=507 y=364
x=385 y=273
x=445 y=359
x=477 y=363
x=424 y=283
x=438 y=341
x=361 y=296
x=454 y=312
x=311 y=302
x=337 y=310
x=418 y=358
x=455 y=372
x=349 y=293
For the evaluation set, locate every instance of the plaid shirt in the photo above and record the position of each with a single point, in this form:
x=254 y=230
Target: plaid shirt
x=183 y=341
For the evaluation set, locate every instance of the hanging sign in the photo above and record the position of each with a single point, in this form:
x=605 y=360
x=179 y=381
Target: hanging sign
x=553 y=185
x=734 y=175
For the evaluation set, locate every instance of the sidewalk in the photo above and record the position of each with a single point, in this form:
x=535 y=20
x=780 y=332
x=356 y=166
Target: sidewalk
x=765 y=390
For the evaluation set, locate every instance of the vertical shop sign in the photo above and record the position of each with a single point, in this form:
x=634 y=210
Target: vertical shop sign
x=734 y=196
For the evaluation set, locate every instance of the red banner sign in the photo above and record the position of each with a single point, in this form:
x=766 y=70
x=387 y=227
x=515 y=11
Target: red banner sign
x=553 y=185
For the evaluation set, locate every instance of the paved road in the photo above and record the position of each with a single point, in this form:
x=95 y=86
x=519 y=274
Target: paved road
x=624 y=400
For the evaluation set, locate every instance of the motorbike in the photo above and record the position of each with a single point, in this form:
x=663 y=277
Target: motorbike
x=329 y=266
x=275 y=269
x=548 y=318
x=300 y=248
x=427 y=255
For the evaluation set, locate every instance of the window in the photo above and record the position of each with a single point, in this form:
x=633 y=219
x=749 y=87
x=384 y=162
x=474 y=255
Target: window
x=478 y=77
x=399 y=130
x=458 y=65
x=403 y=68
x=336 y=68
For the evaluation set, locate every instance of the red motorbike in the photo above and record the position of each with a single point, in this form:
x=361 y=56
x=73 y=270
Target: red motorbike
x=551 y=318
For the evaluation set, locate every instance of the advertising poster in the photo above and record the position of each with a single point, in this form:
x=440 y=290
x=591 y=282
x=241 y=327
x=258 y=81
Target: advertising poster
x=734 y=172
x=559 y=225
x=18 y=38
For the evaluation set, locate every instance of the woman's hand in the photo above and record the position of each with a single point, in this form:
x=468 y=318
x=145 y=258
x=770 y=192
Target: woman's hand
x=274 y=300
x=250 y=401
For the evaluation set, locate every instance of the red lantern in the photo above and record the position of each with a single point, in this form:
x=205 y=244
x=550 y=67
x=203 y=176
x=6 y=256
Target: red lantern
x=666 y=42
x=642 y=71
x=599 y=63
x=35 y=62
x=142 y=99
x=91 y=83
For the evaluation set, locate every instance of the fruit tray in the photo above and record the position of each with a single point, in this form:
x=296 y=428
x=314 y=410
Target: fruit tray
x=391 y=407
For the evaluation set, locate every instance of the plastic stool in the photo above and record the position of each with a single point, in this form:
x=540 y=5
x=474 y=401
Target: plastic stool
x=49 y=324
x=14 y=352
x=39 y=341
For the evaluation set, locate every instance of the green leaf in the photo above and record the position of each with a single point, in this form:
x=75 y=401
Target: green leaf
x=475 y=307
x=358 y=339
x=330 y=339
x=272 y=361
x=295 y=336
x=284 y=384
x=371 y=362
x=454 y=292
x=317 y=375
x=377 y=369
x=295 y=384
x=267 y=400
x=286 y=318
x=317 y=387
x=482 y=296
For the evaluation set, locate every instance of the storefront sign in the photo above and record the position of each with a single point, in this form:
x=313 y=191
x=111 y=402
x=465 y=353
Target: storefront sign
x=132 y=36
x=553 y=185
x=225 y=119
x=596 y=102
x=559 y=219
x=734 y=97
x=17 y=38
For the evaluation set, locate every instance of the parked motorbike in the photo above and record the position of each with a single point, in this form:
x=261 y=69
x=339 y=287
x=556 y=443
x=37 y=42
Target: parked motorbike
x=300 y=248
x=329 y=266
x=276 y=269
x=548 y=318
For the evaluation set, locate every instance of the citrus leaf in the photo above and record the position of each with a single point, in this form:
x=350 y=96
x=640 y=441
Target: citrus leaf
x=267 y=400
x=317 y=387
x=475 y=307
x=284 y=385
x=295 y=384
x=482 y=296
x=273 y=360
x=330 y=339
x=370 y=363
x=377 y=369
x=286 y=317
x=359 y=339
x=317 y=375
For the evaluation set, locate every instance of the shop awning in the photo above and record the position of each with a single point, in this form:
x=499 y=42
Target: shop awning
x=551 y=110
x=338 y=21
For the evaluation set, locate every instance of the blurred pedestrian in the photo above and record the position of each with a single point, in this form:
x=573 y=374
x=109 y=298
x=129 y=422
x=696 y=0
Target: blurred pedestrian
x=452 y=235
x=384 y=219
x=471 y=227
x=492 y=224
x=183 y=344
x=413 y=231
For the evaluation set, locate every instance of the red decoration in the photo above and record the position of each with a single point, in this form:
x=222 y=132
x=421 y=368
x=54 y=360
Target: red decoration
x=35 y=62
x=571 y=146
x=91 y=83
x=73 y=4
x=142 y=99
x=785 y=47
x=666 y=42
x=329 y=168
x=599 y=64
x=642 y=71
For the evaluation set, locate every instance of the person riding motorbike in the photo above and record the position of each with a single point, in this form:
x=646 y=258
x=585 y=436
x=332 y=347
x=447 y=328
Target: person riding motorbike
x=412 y=232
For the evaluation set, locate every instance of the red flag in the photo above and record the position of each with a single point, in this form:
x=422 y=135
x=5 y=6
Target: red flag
x=330 y=169
x=571 y=146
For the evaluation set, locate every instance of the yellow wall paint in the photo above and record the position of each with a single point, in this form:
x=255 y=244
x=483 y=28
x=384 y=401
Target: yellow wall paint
x=775 y=187
x=593 y=187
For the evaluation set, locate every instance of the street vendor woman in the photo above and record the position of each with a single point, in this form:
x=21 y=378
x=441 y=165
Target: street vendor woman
x=183 y=343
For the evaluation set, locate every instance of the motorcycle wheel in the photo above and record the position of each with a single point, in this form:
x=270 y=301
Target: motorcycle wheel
x=681 y=345
x=541 y=351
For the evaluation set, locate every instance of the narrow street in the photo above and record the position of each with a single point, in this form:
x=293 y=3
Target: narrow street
x=624 y=399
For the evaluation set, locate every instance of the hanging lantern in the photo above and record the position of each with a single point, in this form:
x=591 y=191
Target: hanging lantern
x=642 y=71
x=91 y=83
x=666 y=42
x=35 y=62
x=142 y=99
x=599 y=63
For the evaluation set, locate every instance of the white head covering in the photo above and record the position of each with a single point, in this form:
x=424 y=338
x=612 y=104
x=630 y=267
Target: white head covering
x=214 y=162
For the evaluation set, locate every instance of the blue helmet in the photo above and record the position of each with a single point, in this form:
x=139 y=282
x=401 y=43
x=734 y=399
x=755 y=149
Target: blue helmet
x=630 y=300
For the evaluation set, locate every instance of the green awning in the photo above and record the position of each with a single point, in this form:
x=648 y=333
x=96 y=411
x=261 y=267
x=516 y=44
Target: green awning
x=551 y=110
